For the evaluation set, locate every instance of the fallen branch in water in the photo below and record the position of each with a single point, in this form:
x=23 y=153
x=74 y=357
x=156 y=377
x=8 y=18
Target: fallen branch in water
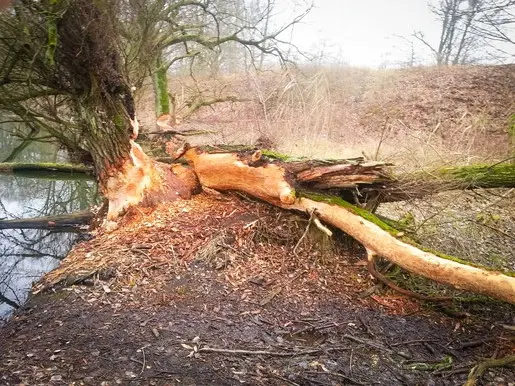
x=19 y=167
x=63 y=222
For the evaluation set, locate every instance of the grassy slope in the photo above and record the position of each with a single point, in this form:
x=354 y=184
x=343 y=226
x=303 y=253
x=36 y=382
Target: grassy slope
x=417 y=115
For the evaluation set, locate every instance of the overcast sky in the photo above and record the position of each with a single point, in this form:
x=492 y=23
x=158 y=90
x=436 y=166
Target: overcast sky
x=365 y=32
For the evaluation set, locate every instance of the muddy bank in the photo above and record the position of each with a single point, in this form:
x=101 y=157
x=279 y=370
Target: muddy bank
x=182 y=288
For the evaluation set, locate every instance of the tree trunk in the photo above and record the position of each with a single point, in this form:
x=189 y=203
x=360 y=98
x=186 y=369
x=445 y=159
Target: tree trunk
x=104 y=108
x=126 y=175
x=275 y=184
x=165 y=110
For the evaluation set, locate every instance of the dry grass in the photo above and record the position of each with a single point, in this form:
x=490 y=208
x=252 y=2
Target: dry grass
x=415 y=117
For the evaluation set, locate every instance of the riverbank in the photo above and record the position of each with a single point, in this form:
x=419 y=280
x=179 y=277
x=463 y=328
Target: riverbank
x=223 y=272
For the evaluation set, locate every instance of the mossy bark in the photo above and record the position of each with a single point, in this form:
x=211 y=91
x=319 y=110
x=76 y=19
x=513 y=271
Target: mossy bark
x=388 y=227
x=52 y=35
x=480 y=176
x=104 y=109
x=164 y=101
x=162 y=98
x=424 y=183
x=23 y=167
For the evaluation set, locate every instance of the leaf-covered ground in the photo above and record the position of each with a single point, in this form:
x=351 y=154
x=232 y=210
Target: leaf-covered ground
x=184 y=287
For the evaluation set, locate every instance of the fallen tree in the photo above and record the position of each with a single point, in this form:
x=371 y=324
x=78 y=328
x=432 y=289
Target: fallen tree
x=362 y=181
x=64 y=223
x=284 y=184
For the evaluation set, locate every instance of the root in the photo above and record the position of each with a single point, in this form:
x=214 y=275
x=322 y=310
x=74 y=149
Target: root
x=376 y=274
x=478 y=370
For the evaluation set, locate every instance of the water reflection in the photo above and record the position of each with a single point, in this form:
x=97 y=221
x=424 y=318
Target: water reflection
x=13 y=148
x=27 y=254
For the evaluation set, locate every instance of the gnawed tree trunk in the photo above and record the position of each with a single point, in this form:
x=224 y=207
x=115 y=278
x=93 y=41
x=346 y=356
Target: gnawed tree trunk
x=104 y=109
x=275 y=183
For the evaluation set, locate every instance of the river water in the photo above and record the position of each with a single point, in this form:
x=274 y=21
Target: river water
x=25 y=255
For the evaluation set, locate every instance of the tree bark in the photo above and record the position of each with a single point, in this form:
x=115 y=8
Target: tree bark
x=274 y=184
x=104 y=108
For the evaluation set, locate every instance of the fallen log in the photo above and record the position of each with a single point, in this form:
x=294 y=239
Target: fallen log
x=362 y=181
x=22 y=167
x=64 y=223
x=276 y=184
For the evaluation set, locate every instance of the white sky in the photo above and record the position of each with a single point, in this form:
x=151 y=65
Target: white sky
x=363 y=32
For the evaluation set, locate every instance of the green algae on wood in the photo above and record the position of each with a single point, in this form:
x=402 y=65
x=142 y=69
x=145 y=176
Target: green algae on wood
x=16 y=167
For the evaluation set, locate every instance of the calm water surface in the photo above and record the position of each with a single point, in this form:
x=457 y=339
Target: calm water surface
x=25 y=255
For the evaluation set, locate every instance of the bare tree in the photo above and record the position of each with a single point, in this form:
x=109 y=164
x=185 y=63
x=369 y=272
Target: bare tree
x=160 y=34
x=468 y=26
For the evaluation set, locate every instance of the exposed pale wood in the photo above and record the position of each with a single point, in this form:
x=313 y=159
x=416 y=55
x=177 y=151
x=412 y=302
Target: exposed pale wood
x=226 y=171
x=140 y=180
x=423 y=263
x=346 y=182
x=270 y=182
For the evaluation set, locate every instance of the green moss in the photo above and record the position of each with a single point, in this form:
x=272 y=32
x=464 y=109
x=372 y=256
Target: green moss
x=388 y=228
x=407 y=220
x=500 y=175
x=52 y=35
x=161 y=91
x=511 y=130
x=353 y=209
x=118 y=121
x=280 y=156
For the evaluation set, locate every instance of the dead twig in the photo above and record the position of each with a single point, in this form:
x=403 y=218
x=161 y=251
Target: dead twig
x=373 y=271
x=475 y=343
x=312 y=328
x=311 y=219
x=339 y=375
x=144 y=360
x=375 y=345
x=285 y=380
x=269 y=353
x=268 y=297
x=411 y=342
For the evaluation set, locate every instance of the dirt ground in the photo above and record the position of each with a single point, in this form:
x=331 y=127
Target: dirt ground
x=184 y=287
